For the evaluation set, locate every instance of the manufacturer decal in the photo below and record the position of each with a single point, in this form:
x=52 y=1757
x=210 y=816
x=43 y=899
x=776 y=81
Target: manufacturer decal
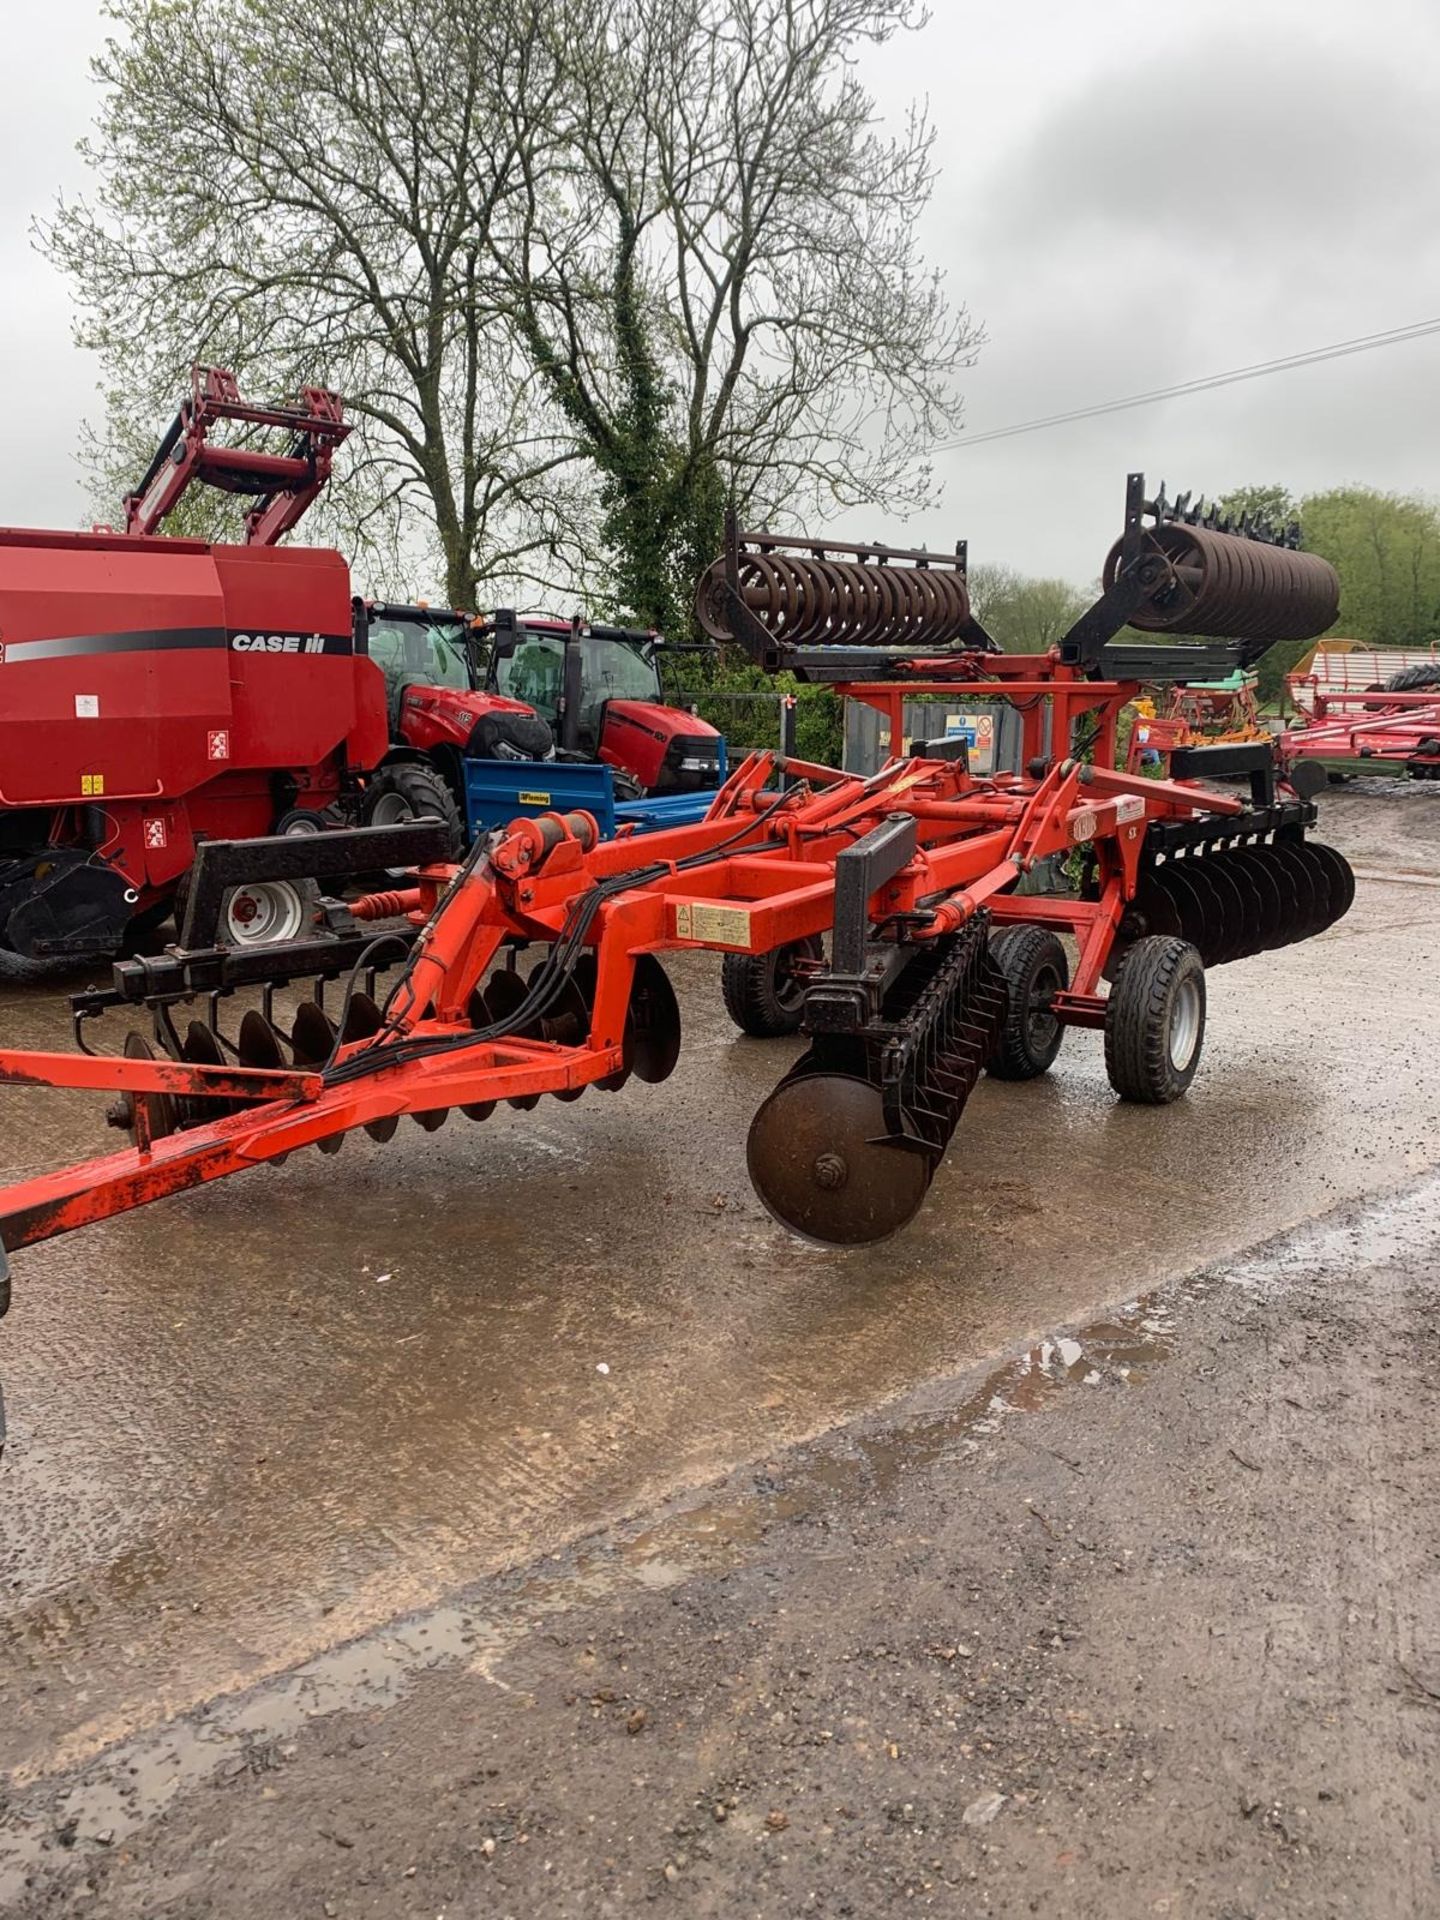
x=287 y=643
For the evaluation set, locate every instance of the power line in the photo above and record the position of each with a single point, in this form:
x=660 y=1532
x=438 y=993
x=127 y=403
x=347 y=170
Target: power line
x=1366 y=343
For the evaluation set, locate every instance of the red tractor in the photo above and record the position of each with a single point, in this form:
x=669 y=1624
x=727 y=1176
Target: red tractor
x=527 y=688
x=155 y=692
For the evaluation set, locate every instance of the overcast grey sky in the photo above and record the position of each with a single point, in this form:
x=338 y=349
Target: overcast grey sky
x=1131 y=195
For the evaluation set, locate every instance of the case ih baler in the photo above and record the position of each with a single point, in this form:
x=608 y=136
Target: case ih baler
x=154 y=691
x=937 y=967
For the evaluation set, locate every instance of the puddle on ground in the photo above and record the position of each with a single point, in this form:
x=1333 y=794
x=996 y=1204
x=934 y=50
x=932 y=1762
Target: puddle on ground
x=128 y=1785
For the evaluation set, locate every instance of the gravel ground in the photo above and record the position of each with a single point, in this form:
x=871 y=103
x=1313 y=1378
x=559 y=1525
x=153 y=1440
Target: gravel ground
x=1142 y=1621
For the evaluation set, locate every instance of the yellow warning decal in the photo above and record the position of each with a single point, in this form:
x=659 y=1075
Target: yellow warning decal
x=92 y=784
x=717 y=926
x=533 y=799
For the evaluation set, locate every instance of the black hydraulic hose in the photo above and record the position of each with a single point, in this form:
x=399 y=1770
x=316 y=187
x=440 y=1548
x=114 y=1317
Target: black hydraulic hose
x=557 y=968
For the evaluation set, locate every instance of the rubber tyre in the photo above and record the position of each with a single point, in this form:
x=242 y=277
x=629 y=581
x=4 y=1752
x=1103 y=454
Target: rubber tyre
x=1034 y=966
x=1155 y=1012
x=760 y=995
x=1413 y=679
x=422 y=792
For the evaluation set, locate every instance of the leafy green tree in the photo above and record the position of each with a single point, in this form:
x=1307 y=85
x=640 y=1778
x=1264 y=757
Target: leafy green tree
x=1025 y=614
x=1272 y=506
x=1385 y=548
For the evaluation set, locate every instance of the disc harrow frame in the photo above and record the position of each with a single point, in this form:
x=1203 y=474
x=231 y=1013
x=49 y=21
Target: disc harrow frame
x=908 y=871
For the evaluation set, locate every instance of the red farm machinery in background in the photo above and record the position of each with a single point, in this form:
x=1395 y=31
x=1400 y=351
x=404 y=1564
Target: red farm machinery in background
x=880 y=916
x=1379 y=708
x=155 y=692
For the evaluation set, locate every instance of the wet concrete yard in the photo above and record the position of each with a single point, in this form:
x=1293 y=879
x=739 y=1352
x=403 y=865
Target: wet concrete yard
x=250 y=1423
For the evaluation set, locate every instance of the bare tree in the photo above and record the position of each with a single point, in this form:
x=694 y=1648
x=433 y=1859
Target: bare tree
x=306 y=193
x=580 y=279
x=717 y=275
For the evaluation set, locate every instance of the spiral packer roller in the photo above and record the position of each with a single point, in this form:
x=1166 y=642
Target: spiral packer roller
x=829 y=612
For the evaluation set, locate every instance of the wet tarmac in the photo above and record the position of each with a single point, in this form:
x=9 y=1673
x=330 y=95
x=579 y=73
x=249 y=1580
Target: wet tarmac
x=254 y=1422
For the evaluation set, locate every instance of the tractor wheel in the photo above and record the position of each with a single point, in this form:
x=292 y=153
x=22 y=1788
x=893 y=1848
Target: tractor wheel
x=1155 y=1020
x=1033 y=964
x=407 y=791
x=764 y=993
x=1414 y=679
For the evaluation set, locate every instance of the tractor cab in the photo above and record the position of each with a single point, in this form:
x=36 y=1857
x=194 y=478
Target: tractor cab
x=599 y=689
x=436 y=697
x=413 y=646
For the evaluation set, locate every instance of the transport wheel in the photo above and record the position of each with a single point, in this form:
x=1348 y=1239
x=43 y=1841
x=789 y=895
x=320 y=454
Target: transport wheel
x=1414 y=679
x=265 y=911
x=765 y=992
x=1035 y=969
x=408 y=791
x=1155 y=1021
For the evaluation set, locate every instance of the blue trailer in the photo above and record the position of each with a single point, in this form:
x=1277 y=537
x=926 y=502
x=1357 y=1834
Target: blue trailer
x=499 y=791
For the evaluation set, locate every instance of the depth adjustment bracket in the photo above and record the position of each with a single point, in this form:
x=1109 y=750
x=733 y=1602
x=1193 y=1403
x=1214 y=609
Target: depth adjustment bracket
x=847 y=996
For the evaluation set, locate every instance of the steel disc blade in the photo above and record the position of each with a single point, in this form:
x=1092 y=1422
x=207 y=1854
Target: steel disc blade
x=1332 y=871
x=332 y=1143
x=259 y=1043
x=432 y=1119
x=1249 y=927
x=505 y=993
x=1342 y=877
x=1283 y=882
x=818 y=1161
x=1194 y=906
x=1309 y=911
x=1265 y=890
x=479 y=1110
x=383 y=1128
x=655 y=1013
x=1229 y=917
x=584 y=974
x=362 y=1018
x=161 y=1109
x=201 y=1047
x=312 y=1037
x=566 y=1021
x=1156 y=908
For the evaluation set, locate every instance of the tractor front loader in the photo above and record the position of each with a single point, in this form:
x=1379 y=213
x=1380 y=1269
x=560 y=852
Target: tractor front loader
x=937 y=968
